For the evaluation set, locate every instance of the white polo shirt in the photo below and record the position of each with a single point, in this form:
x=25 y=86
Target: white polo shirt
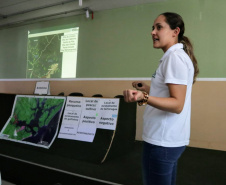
x=163 y=128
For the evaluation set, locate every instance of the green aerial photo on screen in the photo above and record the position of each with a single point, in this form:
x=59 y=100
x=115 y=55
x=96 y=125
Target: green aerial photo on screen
x=44 y=59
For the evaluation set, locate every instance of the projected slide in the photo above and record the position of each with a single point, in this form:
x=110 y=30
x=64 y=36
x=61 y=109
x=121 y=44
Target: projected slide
x=34 y=120
x=52 y=54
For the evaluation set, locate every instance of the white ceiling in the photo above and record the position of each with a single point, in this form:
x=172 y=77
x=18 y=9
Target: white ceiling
x=17 y=12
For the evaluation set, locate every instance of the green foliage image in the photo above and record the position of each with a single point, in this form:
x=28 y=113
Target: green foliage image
x=34 y=119
x=44 y=57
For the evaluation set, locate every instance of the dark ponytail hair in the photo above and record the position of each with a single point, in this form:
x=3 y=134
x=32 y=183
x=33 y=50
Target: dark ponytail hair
x=175 y=20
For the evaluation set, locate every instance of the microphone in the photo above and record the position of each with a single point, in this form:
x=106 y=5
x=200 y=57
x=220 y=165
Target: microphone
x=139 y=85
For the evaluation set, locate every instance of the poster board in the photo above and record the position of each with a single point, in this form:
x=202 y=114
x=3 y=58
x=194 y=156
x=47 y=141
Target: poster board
x=107 y=144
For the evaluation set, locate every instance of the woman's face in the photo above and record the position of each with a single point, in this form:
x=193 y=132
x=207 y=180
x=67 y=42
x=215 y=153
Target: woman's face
x=163 y=36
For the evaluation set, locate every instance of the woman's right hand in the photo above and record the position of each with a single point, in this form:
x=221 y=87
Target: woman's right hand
x=132 y=95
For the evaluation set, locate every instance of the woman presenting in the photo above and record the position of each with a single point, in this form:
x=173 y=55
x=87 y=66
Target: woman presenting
x=166 y=127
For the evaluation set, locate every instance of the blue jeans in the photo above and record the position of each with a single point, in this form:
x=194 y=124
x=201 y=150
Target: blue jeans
x=160 y=164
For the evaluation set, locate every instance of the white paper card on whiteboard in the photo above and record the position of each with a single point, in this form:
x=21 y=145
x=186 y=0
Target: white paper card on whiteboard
x=82 y=116
x=71 y=118
x=42 y=88
x=87 y=126
x=108 y=114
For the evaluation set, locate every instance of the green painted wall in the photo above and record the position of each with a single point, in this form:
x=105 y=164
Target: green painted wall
x=117 y=43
